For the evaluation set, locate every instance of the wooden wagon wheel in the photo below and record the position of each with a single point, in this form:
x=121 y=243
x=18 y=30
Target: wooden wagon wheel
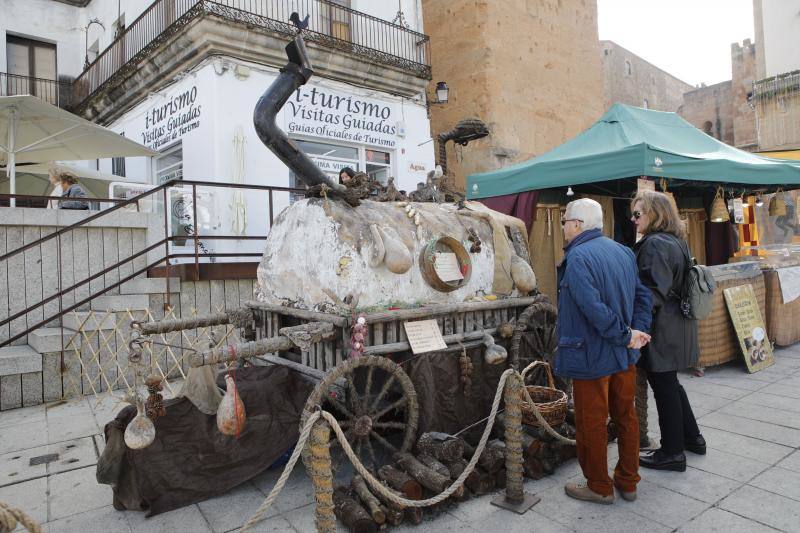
x=382 y=400
x=538 y=320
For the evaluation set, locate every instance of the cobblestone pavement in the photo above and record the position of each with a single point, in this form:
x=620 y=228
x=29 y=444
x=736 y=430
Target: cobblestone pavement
x=748 y=482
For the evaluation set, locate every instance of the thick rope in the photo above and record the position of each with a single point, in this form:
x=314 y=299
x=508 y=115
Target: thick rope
x=373 y=482
x=10 y=517
x=298 y=449
x=380 y=488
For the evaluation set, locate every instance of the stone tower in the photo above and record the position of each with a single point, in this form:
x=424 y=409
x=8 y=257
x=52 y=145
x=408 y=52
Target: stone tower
x=530 y=69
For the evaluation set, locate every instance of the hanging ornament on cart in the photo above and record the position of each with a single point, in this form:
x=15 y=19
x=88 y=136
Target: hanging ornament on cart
x=231 y=414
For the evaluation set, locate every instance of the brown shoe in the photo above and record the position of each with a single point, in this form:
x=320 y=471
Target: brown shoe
x=627 y=496
x=581 y=491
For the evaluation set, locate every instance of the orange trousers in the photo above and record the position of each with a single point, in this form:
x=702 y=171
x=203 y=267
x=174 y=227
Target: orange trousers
x=595 y=399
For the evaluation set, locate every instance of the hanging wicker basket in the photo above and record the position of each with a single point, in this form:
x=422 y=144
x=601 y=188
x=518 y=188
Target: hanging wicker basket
x=777 y=205
x=550 y=401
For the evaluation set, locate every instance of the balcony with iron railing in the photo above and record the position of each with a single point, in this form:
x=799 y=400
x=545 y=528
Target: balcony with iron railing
x=330 y=25
x=54 y=92
x=783 y=85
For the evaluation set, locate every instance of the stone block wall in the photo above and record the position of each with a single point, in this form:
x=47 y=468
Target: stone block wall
x=529 y=69
x=33 y=275
x=710 y=109
x=631 y=80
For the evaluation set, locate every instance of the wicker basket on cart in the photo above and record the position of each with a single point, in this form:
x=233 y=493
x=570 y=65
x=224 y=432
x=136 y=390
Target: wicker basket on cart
x=550 y=401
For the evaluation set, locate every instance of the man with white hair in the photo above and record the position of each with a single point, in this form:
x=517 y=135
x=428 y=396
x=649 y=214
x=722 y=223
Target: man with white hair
x=604 y=312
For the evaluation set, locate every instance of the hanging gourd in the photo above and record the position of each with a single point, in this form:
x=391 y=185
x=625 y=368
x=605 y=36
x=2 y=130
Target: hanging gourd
x=230 y=414
x=140 y=432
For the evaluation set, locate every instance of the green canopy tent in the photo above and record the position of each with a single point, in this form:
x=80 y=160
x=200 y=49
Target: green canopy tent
x=628 y=142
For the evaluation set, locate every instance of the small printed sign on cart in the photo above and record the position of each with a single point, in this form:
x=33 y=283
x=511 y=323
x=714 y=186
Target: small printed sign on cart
x=749 y=325
x=424 y=336
x=447 y=267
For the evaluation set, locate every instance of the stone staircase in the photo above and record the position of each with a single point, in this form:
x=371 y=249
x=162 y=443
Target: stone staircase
x=33 y=373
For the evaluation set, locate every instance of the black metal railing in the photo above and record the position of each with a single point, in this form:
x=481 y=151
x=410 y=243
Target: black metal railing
x=329 y=24
x=52 y=91
x=158 y=194
x=783 y=85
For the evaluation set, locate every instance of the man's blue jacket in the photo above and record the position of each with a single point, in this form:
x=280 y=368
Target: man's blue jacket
x=600 y=298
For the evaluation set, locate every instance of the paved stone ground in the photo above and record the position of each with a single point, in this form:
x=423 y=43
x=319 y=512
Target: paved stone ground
x=748 y=482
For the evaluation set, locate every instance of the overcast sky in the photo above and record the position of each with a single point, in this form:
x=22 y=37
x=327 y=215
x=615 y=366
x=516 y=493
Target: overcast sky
x=690 y=39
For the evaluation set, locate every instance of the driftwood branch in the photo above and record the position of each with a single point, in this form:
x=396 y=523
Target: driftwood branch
x=400 y=481
x=372 y=504
x=280 y=343
x=350 y=512
x=441 y=446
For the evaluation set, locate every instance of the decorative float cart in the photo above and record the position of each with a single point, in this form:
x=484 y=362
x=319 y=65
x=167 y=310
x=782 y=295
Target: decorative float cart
x=343 y=276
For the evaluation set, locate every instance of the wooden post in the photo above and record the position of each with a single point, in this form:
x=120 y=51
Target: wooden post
x=318 y=462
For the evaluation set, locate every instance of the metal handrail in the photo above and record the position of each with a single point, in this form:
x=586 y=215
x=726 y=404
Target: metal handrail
x=140 y=197
x=367 y=34
x=7 y=196
x=163 y=242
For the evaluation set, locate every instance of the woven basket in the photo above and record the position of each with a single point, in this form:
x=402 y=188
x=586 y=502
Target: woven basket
x=550 y=401
x=716 y=335
x=783 y=320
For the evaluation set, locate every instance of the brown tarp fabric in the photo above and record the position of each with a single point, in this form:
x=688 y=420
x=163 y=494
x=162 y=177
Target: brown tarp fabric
x=696 y=229
x=190 y=459
x=607 y=203
x=546 y=245
x=443 y=406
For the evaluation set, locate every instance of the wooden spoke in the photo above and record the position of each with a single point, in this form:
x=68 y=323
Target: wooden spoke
x=358 y=448
x=352 y=394
x=389 y=425
x=401 y=402
x=382 y=393
x=342 y=408
x=383 y=441
x=367 y=389
x=371 y=451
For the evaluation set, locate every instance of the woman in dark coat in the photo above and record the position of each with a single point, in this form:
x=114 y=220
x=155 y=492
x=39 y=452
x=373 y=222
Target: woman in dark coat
x=663 y=258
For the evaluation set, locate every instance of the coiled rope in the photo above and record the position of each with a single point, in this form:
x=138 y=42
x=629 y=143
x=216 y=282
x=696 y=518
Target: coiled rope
x=10 y=517
x=374 y=483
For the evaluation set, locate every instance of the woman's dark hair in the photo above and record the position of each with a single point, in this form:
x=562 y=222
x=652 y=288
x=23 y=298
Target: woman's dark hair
x=68 y=177
x=347 y=170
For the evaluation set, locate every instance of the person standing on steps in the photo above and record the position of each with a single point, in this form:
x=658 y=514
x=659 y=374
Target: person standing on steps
x=604 y=312
x=663 y=258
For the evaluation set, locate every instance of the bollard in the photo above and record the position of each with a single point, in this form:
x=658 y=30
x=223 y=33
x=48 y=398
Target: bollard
x=515 y=499
x=318 y=463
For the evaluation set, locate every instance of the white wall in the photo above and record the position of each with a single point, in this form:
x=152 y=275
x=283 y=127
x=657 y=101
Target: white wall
x=48 y=21
x=781 y=19
x=62 y=24
x=387 y=10
x=226 y=102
